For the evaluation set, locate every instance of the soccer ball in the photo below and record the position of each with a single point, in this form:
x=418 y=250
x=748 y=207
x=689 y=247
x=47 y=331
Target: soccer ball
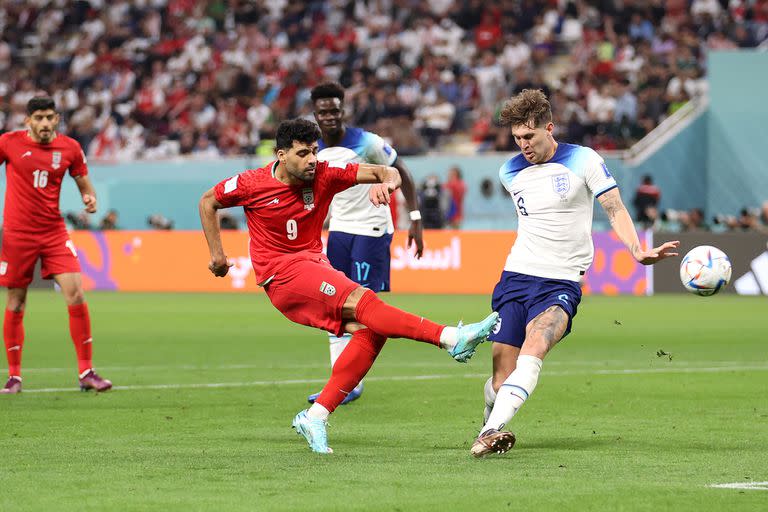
x=705 y=270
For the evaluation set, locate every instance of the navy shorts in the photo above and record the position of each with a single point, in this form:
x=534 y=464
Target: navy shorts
x=364 y=259
x=519 y=298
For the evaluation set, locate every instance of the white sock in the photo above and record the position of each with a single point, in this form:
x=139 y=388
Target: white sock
x=514 y=392
x=337 y=346
x=490 y=398
x=448 y=337
x=319 y=412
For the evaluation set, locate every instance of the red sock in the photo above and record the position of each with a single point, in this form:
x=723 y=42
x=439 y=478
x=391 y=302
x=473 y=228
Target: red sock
x=13 y=334
x=391 y=322
x=80 y=330
x=351 y=367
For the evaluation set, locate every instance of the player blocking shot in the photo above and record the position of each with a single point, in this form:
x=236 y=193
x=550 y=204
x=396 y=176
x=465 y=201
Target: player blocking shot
x=553 y=186
x=37 y=160
x=359 y=234
x=285 y=204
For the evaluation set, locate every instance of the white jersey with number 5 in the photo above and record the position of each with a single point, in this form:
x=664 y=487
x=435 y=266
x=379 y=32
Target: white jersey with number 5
x=352 y=211
x=554 y=202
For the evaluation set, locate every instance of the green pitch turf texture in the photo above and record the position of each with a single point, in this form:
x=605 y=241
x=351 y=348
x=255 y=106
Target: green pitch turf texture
x=645 y=405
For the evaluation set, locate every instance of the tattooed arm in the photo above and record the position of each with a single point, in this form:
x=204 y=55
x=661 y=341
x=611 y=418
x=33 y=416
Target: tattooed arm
x=622 y=225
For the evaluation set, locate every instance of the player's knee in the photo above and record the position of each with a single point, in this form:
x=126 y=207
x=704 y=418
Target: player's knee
x=537 y=344
x=74 y=297
x=15 y=306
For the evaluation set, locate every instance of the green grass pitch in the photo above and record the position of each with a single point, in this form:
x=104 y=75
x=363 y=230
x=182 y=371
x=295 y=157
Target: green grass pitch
x=643 y=407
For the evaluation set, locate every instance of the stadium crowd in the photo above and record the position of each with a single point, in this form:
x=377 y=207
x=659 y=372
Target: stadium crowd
x=160 y=78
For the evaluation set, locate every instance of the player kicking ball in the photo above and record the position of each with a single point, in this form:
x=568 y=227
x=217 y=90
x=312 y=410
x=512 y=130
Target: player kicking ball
x=285 y=205
x=554 y=186
x=37 y=159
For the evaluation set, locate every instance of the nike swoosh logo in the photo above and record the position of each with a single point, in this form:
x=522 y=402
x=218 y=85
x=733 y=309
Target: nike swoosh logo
x=17 y=347
x=28 y=153
x=514 y=193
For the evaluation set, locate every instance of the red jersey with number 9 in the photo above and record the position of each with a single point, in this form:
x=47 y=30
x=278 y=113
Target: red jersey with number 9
x=34 y=173
x=284 y=221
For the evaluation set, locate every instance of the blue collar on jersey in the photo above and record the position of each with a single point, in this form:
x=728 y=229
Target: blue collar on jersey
x=352 y=135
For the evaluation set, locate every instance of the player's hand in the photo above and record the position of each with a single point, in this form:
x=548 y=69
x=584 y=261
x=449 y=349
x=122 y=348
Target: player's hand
x=651 y=256
x=220 y=266
x=380 y=193
x=415 y=235
x=90 y=203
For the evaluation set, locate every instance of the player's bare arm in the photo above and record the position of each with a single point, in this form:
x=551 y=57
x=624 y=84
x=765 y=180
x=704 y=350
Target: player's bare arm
x=208 y=206
x=408 y=187
x=87 y=192
x=387 y=178
x=622 y=225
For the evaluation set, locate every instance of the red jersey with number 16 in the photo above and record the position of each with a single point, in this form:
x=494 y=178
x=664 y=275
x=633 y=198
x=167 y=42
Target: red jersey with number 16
x=284 y=221
x=34 y=173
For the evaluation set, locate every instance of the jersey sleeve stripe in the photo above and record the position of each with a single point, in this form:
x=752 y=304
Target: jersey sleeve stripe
x=606 y=190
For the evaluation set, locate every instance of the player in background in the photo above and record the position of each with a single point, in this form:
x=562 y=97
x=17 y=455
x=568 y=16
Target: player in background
x=36 y=161
x=285 y=205
x=553 y=186
x=360 y=234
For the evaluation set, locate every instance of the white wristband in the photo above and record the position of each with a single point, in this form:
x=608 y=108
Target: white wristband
x=414 y=215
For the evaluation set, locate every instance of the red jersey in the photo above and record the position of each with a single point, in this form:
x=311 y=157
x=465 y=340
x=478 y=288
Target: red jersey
x=34 y=173
x=284 y=221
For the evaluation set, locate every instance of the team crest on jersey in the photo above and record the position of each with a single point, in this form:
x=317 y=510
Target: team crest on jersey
x=56 y=160
x=309 y=198
x=561 y=184
x=328 y=289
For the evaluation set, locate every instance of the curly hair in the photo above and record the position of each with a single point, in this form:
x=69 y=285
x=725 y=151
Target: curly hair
x=299 y=130
x=530 y=108
x=327 y=90
x=40 y=103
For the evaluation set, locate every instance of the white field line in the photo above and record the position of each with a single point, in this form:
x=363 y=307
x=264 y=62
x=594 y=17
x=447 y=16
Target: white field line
x=752 y=486
x=603 y=364
x=256 y=383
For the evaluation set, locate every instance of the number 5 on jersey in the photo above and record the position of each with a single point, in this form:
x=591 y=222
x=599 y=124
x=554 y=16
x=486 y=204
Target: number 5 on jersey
x=292 y=228
x=40 y=178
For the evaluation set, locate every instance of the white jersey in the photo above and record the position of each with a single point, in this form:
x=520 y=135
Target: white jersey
x=554 y=203
x=351 y=210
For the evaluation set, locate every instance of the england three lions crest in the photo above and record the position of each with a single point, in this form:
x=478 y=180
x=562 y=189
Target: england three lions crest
x=561 y=184
x=56 y=159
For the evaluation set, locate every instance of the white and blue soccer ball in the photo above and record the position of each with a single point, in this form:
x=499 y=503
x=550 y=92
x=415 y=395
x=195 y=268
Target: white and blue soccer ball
x=705 y=270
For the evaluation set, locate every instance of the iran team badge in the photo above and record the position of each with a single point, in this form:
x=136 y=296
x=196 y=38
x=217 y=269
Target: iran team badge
x=309 y=198
x=328 y=289
x=56 y=159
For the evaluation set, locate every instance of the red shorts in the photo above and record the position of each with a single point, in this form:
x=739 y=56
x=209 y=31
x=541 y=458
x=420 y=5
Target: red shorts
x=20 y=252
x=311 y=292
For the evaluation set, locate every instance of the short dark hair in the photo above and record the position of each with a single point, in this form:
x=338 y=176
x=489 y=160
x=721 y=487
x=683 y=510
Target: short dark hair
x=40 y=103
x=530 y=107
x=327 y=90
x=299 y=130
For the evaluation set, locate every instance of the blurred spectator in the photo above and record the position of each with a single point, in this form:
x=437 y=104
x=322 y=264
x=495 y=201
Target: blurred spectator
x=486 y=188
x=227 y=221
x=157 y=221
x=431 y=201
x=222 y=74
x=646 y=201
x=457 y=189
x=109 y=221
x=80 y=220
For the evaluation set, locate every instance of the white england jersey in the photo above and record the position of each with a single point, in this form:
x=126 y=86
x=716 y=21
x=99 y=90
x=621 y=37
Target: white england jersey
x=351 y=210
x=554 y=203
